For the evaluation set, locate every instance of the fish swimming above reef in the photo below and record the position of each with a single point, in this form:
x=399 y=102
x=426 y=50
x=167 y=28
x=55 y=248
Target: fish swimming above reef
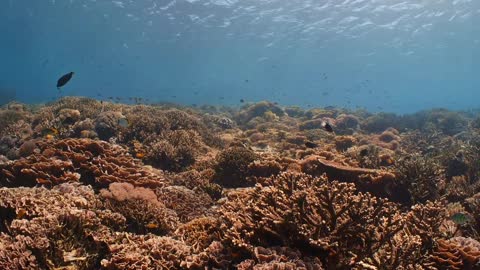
x=64 y=79
x=327 y=127
x=309 y=144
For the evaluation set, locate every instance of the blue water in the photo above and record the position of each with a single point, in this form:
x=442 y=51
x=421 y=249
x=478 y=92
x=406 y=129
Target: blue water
x=393 y=55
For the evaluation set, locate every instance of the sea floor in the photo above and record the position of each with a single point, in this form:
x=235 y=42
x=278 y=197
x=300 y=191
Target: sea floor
x=90 y=184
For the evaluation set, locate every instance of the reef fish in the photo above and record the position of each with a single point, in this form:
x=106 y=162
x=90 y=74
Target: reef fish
x=64 y=79
x=460 y=218
x=311 y=144
x=327 y=127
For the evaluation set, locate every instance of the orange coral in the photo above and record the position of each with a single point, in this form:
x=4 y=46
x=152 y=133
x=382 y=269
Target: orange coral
x=378 y=182
x=457 y=253
x=85 y=160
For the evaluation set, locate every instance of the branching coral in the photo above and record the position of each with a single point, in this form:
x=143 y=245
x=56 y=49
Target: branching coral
x=258 y=110
x=50 y=227
x=420 y=175
x=144 y=213
x=309 y=213
x=231 y=169
x=175 y=151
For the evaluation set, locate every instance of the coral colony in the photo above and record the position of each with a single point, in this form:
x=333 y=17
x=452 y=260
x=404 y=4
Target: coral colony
x=86 y=184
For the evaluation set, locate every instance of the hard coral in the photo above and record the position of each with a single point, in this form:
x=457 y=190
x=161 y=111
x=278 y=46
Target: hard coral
x=420 y=175
x=107 y=124
x=144 y=213
x=378 y=182
x=52 y=228
x=457 y=253
x=346 y=124
x=132 y=252
x=279 y=258
x=258 y=110
x=88 y=161
x=231 y=169
x=175 y=151
x=188 y=204
x=311 y=214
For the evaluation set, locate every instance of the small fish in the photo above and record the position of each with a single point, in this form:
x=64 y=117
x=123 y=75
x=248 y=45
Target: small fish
x=242 y=100
x=64 y=79
x=140 y=155
x=151 y=225
x=21 y=213
x=311 y=144
x=327 y=127
x=49 y=131
x=460 y=218
x=123 y=122
x=246 y=80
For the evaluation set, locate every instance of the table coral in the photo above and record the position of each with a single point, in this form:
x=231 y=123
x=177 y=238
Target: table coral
x=378 y=182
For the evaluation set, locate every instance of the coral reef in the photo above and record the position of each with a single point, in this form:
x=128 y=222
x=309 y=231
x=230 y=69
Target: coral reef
x=86 y=184
x=71 y=160
x=231 y=169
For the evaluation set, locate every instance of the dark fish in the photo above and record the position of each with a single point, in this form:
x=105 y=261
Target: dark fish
x=460 y=218
x=64 y=80
x=311 y=145
x=327 y=127
x=242 y=100
x=246 y=80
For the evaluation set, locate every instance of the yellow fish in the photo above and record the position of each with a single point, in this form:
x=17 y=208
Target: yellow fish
x=151 y=225
x=21 y=213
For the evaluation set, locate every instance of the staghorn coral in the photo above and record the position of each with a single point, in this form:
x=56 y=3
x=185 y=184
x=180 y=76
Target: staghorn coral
x=308 y=213
x=420 y=175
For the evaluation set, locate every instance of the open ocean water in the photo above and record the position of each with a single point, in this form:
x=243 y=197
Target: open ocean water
x=393 y=55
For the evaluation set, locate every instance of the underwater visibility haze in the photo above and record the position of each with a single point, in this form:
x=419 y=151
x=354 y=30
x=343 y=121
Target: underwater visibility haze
x=394 y=55
x=240 y=134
